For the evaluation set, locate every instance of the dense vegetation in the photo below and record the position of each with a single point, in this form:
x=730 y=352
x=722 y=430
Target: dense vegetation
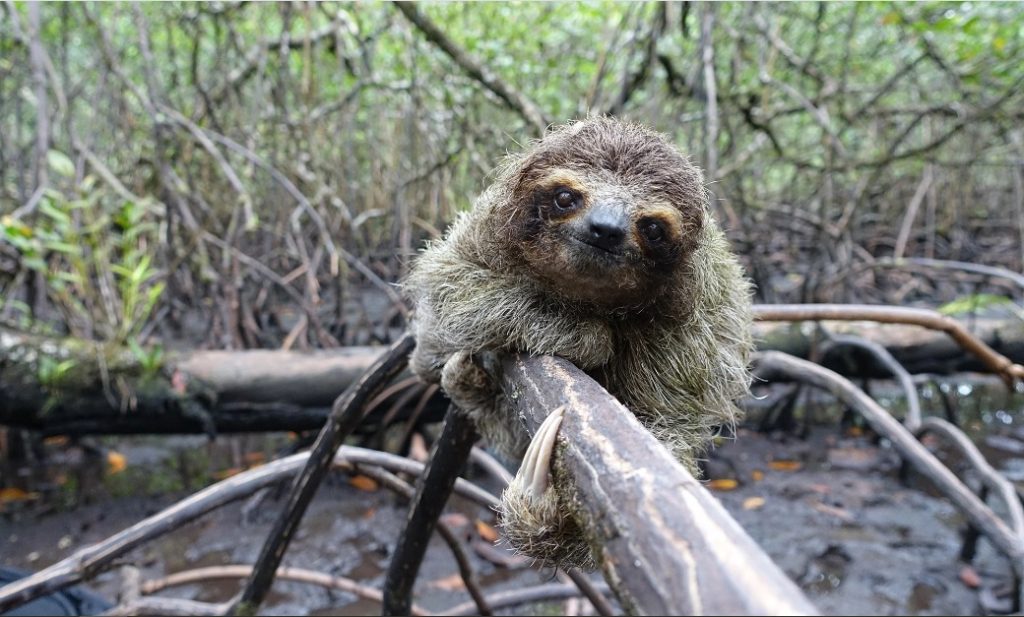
x=226 y=171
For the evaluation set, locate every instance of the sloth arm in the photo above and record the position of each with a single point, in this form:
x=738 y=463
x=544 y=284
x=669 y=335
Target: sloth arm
x=473 y=309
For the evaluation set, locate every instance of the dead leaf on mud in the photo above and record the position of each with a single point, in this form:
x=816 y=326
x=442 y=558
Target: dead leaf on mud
x=839 y=513
x=448 y=583
x=785 y=465
x=364 y=483
x=969 y=576
x=753 y=503
x=487 y=532
x=723 y=484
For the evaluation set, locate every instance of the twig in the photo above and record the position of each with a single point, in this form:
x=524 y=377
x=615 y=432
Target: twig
x=168 y=606
x=991 y=479
x=345 y=415
x=432 y=490
x=461 y=559
x=298 y=575
x=515 y=597
x=318 y=220
x=596 y=594
x=491 y=464
x=911 y=214
x=995 y=480
x=773 y=363
x=514 y=99
x=131 y=585
x=913 y=419
x=895 y=314
x=946 y=264
x=707 y=25
x=273 y=277
x=102 y=555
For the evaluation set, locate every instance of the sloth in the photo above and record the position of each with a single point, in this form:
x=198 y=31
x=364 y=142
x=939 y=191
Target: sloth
x=596 y=244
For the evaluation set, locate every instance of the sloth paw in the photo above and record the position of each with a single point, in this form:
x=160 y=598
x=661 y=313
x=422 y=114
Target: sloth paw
x=532 y=516
x=467 y=383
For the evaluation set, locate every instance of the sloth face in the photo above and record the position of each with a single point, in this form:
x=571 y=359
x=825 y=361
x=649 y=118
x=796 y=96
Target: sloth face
x=607 y=212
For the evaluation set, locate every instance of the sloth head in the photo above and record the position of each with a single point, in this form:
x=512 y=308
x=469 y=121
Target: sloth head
x=605 y=212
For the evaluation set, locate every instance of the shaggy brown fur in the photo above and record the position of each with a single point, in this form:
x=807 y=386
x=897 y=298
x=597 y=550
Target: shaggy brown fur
x=659 y=316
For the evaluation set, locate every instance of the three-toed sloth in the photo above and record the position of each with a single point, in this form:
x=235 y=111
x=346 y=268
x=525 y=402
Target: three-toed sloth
x=596 y=244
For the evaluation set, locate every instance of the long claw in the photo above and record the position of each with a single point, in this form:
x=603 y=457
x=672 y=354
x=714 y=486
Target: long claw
x=535 y=470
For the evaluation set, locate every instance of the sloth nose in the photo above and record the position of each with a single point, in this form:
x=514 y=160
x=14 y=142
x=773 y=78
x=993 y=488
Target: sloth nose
x=607 y=227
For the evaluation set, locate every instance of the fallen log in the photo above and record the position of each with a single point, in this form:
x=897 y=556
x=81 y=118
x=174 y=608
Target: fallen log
x=69 y=386
x=945 y=346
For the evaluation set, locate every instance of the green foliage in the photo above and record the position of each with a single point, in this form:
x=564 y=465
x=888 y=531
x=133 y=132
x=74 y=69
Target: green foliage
x=828 y=113
x=96 y=256
x=151 y=360
x=60 y=163
x=53 y=372
x=972 y=304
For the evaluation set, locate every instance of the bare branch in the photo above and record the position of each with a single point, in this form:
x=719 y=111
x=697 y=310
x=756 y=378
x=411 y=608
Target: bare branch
x=892 y=314
x=515 y=100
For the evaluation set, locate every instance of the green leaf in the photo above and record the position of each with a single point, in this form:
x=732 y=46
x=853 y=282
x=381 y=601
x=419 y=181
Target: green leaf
x=65 y=276
x=121 y=271
x=972 y=303
x=60 y=163
x=137 y=350
x=63 y=247
x=15 y=229
x=35 y=263
x=47 y=208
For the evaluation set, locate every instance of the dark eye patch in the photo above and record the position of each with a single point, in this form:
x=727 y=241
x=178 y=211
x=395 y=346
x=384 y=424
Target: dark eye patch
x=566 y=199
x=652 y=230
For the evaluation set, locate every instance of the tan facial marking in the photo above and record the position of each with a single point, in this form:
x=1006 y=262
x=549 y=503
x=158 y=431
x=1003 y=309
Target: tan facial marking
x=561 y=178
x=667 y=215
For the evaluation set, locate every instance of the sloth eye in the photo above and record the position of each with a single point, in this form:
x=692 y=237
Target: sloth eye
x=652 y=230
x=565 y=200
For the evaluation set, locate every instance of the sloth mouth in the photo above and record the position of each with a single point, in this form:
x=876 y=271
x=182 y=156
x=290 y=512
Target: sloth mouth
x=599 y=250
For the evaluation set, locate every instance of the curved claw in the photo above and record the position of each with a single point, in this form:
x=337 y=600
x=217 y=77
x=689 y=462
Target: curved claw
x=534 y=472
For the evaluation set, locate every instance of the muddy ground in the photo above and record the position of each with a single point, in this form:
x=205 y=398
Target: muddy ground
x=829 y=508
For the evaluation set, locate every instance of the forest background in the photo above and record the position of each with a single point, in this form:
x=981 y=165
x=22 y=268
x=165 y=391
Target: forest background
x=213 y=172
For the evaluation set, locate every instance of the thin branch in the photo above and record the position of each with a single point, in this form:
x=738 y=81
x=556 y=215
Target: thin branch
x=634 y=81
x=461 y=559
x=491 y=464
x=168 y=606
x=774 y=364
x=995 y=480
x=934 y=320
x=946 y=264
x=913 y=419
x=347 y=412
x=911 y=214
x=707 y=25
x=432 y=491
x=273 y=277
x=298 y=575
x=514 y=99
x=526 y=595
